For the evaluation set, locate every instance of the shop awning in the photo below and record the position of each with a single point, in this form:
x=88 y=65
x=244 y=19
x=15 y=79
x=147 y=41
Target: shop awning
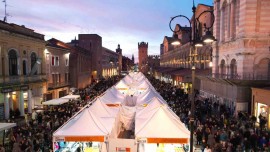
x=71 y=97
x=4 y=126
x=55 y=102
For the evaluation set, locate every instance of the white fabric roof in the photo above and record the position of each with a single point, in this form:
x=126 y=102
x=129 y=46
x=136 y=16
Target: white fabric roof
x=121 y=84
x=152 y=105
x=84 y=124
x=147 y=95
x=54 y=102
x=71 y=97
x=164 y=126
x=100 y=109
x=4 y=126
x=112 y=96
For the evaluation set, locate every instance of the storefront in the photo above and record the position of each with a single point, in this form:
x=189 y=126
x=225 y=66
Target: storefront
x=261 y=104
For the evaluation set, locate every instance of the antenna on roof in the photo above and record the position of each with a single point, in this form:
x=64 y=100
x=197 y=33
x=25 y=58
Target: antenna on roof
x=5 y=18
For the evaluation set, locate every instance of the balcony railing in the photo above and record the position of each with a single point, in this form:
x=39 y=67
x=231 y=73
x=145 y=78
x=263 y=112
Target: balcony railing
x=21 y=79
x=245 y=76
x=58 y=85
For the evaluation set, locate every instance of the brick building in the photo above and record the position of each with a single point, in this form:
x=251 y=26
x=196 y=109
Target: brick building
x=241 y=58
x=80 y=65
x=143 y=54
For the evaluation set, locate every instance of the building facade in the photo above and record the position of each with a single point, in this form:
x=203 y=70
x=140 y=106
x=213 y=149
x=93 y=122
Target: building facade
x=110 y=62
x=22 y=70
x=93 y=44
x=57 y=69
x=241 y=56
x=128 y=64
x=143 y=54
x=176 y=61
x=153 y=63
x=80 y=67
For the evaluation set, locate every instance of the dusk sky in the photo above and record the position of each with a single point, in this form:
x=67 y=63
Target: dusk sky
x=124 y=22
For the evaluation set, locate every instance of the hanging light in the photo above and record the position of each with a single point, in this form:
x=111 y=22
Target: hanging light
x=176 y=40
x=198 y=43
x=208 y=37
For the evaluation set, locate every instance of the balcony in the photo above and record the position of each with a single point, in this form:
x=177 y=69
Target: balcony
x=245 y=76
x=52 y=86
x=14 y=80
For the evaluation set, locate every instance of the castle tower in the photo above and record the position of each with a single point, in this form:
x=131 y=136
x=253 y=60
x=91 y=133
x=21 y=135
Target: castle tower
x=120 y=58
x=143 y=54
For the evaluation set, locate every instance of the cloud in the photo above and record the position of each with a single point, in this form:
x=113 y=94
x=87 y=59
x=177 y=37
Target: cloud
x=124 y=22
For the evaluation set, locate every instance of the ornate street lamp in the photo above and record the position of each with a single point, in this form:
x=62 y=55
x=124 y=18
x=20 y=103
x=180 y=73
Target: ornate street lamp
x=196 y=40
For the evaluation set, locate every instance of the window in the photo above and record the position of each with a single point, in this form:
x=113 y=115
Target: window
x=33 y=62
x=55 y=61
x=66 y=77
x=13 y=66
x=24 y=67
x=66 y=62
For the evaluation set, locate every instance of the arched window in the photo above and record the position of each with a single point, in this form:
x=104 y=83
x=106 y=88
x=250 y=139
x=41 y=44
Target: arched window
x=13 y=66
x=24 y=67
x=263 y=69
x=223 y=69
x=233 y=69
x=33 y=61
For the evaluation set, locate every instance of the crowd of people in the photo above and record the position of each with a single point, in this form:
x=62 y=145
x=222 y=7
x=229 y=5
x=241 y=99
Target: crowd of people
x=217 y=128
x=35 y=134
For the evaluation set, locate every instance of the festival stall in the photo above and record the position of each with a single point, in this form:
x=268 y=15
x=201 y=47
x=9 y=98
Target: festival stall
x=72 y=97
x=167 y=130
x=55 y=102
x=131 y=107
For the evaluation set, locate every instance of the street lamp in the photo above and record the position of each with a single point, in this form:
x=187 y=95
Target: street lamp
x=196 y=40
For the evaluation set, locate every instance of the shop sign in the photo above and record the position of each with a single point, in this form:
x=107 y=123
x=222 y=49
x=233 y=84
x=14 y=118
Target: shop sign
x=7 y=90
x=122 y=149
x=58 y=139
x=24 y=87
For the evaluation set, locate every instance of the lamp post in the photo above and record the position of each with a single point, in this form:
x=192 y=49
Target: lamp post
x=196 y=40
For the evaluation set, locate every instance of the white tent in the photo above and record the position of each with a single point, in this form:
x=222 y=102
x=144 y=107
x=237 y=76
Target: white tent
x=4 y=126
x=55 y=102
x=84 y=127
x=71 y=97
x=122 y=85
x=165 y=130
x=100 y=109
x=153 y=104
x=112 y=97
x=147 y=95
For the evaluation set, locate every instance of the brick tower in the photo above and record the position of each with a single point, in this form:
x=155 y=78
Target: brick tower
x=143 y=54
x=119 y=51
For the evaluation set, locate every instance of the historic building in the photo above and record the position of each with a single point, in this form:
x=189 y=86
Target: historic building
x=100 y=61
x=128 y=64
x=176 y=61
x=22 y=70
x=153 y=61
x=120 y=59
x=143 y=54
x=57 y=69
x=110 y=62
x=92 y=43
x=80 y=69
x=241 y=56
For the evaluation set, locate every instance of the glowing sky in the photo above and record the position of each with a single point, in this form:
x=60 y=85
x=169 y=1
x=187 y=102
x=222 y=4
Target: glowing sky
x=124 y=22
